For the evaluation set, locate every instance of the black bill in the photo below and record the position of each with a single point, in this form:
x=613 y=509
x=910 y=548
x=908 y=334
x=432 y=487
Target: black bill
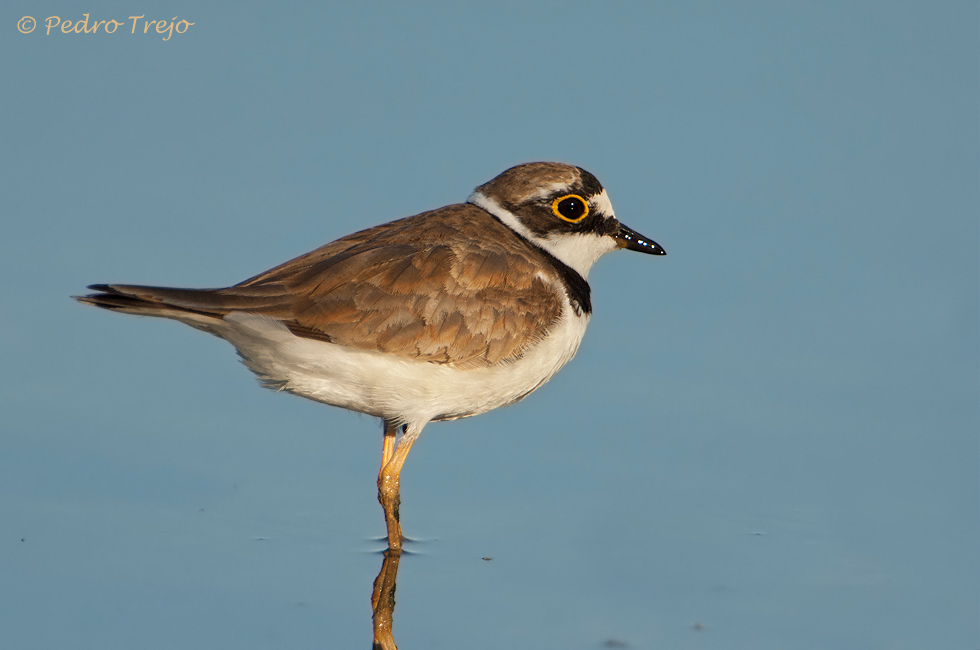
x=631 y=240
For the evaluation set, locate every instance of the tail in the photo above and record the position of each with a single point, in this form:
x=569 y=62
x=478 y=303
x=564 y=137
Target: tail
x=193 y=306
x=202 y=308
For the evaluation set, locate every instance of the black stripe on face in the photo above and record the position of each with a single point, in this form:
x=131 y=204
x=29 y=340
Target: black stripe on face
x=541 y=221
x=595 y=223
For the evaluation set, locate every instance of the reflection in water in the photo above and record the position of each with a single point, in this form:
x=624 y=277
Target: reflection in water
x=383 y=601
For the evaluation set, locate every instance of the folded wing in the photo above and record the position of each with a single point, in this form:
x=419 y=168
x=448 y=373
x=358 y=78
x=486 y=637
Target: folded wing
x=448 y=293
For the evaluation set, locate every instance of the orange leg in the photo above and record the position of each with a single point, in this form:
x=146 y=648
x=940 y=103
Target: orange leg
x=392 y=460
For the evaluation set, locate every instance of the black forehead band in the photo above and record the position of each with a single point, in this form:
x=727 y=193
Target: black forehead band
x=590 y=184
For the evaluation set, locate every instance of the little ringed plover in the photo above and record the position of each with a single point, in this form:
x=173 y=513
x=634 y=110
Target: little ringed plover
x=439 y=316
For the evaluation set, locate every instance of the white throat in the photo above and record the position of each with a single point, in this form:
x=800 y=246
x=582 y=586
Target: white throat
x=578 y=250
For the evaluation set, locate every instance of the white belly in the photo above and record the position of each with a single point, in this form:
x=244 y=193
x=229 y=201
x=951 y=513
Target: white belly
x=379 y=384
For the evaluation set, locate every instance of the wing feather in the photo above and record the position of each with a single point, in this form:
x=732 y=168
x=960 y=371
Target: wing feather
x=449 y=286
x=463 y=289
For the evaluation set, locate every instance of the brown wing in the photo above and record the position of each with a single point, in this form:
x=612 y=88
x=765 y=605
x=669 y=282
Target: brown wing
x=449 y=286
x=462 y=288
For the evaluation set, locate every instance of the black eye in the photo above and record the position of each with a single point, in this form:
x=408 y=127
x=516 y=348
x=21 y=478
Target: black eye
x=571 y=207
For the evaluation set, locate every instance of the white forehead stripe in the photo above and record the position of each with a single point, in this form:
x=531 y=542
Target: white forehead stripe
x=602 y=204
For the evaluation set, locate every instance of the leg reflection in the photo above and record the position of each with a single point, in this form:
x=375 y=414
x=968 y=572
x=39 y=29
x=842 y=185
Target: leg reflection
x=383 y=602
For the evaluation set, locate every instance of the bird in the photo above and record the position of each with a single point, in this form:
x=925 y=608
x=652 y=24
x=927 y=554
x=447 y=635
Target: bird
x=439 y=316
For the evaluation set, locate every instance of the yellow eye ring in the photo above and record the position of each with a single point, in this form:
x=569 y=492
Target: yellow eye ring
x=571 y=208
